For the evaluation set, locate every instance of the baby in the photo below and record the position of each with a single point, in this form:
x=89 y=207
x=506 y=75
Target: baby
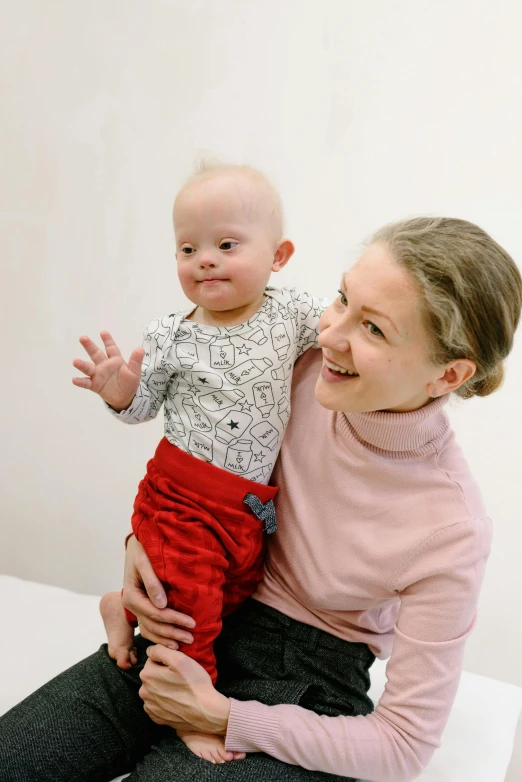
x=223 y=371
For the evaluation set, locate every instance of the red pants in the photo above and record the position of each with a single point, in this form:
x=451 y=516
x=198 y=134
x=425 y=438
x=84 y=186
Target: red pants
x=206 y=546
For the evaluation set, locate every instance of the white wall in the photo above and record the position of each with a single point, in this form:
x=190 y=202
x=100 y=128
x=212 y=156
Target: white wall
x=362 y=112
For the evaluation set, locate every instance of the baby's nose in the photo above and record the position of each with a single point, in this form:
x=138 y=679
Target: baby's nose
x=207 y=259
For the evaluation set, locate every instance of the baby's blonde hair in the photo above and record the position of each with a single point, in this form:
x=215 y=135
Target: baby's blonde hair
x=471 y=290
x=209 y=168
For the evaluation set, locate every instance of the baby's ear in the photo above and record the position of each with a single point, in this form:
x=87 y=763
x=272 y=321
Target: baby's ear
x=285 y=250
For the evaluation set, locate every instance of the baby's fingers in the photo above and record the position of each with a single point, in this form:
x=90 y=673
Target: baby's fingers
x=136 y=360
x=84 y=366
x=92 y=349
x=82 y=382
x=88 y=369
x=110 y=345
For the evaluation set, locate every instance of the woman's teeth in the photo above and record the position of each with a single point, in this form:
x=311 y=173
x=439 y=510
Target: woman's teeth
x=336 y=368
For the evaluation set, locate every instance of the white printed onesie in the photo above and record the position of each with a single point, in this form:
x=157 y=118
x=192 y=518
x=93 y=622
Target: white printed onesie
x=226 y=390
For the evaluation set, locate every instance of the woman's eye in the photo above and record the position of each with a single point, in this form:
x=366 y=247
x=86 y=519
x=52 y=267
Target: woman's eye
x=373 y=329
x=344 y=300
x=227 y=245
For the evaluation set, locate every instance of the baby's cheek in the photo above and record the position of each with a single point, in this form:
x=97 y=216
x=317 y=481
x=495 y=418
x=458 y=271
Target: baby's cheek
x=185 y=275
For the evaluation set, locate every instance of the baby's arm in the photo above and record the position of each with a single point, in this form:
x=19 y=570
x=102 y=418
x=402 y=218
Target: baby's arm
x=133 y=391
x=119 y=632
x=307 y=311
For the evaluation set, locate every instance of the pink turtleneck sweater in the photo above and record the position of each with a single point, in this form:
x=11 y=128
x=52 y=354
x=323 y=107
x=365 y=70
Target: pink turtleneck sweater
x=383 y=538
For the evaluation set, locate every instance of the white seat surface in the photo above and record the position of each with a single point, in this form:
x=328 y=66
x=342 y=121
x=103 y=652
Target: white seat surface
x=50 y=628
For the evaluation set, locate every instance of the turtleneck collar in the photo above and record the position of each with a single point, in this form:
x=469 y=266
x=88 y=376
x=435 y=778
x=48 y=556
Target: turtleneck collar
x=399 y=435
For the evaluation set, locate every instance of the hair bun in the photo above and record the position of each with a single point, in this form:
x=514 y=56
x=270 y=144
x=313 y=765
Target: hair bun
x=488 y=384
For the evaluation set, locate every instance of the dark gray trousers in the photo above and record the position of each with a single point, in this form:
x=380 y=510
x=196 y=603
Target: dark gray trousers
x=88 y=724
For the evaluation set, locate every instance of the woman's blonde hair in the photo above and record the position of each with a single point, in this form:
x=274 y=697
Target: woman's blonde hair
x=471 y=288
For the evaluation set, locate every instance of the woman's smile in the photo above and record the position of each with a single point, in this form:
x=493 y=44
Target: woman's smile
x=333 y=373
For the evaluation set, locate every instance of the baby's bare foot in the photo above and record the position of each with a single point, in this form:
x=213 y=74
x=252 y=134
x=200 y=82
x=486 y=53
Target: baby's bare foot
x=209 y=747
x=119 y=632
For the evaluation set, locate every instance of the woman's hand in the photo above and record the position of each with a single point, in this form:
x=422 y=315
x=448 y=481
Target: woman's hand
x=177 y=691
x=145 y=597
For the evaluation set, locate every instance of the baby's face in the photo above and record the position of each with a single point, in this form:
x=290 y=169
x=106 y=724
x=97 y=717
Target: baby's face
x=226 y=241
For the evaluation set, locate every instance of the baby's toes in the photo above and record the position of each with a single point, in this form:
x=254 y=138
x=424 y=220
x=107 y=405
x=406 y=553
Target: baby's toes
x=205 y=754
x=122 y=655
x=221 y=755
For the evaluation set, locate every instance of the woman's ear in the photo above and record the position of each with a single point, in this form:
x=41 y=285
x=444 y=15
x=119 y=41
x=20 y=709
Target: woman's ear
x=285 y=250
x=455 y=374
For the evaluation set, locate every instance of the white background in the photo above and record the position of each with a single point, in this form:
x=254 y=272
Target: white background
x=361 y=112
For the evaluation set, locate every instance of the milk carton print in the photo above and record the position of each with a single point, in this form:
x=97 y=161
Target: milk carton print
x=226 y=389
x=247 y=371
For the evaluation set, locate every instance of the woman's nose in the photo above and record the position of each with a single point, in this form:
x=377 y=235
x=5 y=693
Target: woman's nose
x=333 y=332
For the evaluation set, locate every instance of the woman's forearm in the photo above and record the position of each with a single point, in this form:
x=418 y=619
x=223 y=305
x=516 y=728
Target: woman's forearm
x=359 y=747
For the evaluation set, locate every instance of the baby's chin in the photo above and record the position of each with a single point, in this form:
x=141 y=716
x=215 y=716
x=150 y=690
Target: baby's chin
x=215 y=300
x=221 y=307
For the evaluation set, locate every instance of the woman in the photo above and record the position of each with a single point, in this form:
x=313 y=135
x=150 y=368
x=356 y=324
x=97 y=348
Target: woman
x=382 y=540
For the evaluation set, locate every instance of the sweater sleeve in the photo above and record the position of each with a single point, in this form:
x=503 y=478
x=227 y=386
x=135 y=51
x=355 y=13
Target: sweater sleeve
x=156 y=372
x=438 y=589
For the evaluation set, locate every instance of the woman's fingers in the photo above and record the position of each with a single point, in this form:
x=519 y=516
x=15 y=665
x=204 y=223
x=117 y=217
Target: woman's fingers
x=152 y=584
x=177 y=691
x=161 y=621
x=157 y=624
x=154 y=631
x=145 y=629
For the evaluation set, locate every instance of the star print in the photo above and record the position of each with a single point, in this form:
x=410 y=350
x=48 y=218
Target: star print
x=233 y=425
x=203 y=380
x=244 y=349
x=245 y=405
x=259 y=456
x=192 y=388
x=317 y=311
x=283 y=389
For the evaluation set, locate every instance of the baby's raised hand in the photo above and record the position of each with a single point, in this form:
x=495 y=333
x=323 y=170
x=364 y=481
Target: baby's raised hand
x=109 y=375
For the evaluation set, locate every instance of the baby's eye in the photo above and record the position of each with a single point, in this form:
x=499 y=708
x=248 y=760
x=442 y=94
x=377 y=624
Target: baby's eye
x=344 y=300
x=228 y=245
x=187 y=250
x=373 y=329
